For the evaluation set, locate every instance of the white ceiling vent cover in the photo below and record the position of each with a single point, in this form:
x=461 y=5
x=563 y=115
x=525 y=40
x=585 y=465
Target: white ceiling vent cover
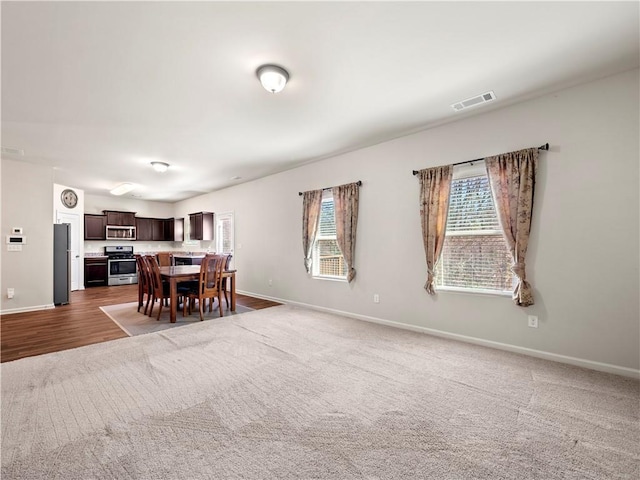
x=474 y=101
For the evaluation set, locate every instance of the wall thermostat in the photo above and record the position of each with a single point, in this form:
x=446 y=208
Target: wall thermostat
x=16 y=239
x=16 y=230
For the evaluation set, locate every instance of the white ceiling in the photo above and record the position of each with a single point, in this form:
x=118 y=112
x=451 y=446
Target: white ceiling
x=99 y=89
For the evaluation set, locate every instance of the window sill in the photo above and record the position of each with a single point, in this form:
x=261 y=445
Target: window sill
x=474 y=291
x=331 y=279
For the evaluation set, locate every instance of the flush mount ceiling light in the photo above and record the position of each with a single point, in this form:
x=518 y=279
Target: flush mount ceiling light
x=122 y=189
x=273 y=78
x=160 y=166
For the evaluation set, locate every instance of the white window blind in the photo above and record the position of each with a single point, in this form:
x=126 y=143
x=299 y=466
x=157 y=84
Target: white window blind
x=475 y=256
x=327 y=257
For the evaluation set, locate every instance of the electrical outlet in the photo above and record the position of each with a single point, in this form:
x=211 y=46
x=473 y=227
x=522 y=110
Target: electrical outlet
x=376 y=298
x=270 y=282
x=532 y=321
x=10 y=292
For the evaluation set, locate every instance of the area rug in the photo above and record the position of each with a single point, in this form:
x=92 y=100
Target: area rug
x=127 y=317
x=289 y=393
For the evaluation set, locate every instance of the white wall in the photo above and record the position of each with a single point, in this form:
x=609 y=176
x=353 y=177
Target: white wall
x=27 y=202
x=95 y=204
x=583 y=256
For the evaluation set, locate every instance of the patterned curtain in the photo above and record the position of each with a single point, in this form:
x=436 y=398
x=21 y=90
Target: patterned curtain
x=513 y=177
x=345 y=201
x=312 y=200
x=435 y=185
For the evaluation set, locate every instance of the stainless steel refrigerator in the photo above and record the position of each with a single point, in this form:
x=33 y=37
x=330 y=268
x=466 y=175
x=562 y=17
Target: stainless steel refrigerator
x=61 y=263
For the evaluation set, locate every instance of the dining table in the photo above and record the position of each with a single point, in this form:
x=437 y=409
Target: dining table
x=184 y=273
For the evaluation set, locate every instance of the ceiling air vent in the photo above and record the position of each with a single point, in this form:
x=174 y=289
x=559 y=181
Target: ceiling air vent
x=473 y=101
x=12 y=151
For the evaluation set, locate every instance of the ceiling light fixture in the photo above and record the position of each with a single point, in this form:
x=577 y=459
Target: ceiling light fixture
x=122 y=189
x=160 y=166
x=273 y=78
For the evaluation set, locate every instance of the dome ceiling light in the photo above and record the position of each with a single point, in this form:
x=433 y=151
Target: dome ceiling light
x=272 y=78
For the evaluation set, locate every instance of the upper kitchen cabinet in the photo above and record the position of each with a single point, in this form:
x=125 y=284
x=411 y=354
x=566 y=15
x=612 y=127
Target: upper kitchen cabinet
x=144 y=227
x=125 y=219
x=201 y=225
x=94 y=227
x=160 y=229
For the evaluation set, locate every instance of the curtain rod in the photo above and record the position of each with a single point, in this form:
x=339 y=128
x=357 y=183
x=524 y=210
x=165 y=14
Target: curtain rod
x=359 y=182
x=541 y=147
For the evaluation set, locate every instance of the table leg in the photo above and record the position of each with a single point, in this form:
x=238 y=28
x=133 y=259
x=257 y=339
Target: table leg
x=173 y=298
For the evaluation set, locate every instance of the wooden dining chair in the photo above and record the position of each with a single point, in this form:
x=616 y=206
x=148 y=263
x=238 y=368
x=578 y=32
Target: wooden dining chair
x=149 y=281
x=160 y=289
x=165 y=259
x=209 y=285
x=144 y=283
x=225 y=280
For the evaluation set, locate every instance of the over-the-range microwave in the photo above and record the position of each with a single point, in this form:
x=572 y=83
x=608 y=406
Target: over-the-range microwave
x=117 y=232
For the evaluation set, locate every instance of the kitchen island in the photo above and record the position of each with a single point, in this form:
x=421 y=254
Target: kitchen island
x=186 y=259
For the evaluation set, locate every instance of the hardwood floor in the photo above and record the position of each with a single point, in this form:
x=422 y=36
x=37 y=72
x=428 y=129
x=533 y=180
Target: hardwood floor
x=77 y=324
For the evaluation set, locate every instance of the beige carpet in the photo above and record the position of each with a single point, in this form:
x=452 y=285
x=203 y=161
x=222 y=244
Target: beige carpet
x=127 y=317
x=287 y=393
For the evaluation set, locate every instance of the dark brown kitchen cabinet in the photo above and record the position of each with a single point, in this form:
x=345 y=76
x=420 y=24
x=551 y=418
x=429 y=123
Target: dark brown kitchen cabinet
x=94 y=227
x=95 y=272
x=123 y=219
x=160 y=229
x=144 y=228
x=201 y=225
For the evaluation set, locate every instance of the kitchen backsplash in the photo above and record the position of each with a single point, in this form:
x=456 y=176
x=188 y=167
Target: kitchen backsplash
x=94 y=248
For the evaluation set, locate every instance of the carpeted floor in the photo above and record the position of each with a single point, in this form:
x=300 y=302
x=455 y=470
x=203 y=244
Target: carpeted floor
x=127 y=317
x=288 y=393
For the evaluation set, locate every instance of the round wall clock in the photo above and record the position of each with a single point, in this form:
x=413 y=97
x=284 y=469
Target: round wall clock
x=69 y=198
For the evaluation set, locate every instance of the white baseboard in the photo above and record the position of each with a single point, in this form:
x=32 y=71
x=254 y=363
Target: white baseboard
x=579 y=362
x=34 y=308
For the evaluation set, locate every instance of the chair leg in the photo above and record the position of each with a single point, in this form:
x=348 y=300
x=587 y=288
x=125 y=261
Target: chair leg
x=160 y=308
x=140 y=297
x=220 y=303
x=226 y=298
x=153 y=302
x=201 y=303
x=184 y=306
x=146 y=307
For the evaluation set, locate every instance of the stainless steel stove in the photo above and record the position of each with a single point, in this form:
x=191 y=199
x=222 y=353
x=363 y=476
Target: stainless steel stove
x=121 y=264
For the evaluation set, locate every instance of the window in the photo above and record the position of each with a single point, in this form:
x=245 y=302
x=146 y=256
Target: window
x=328 y=261
x=475 y=256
